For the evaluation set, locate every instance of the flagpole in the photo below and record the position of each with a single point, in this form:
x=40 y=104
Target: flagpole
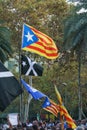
x=21 y=95
x=62 y=122
x=20 y=82
x=29 y=98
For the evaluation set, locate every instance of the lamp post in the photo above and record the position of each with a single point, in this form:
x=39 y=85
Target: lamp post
x=79 y=88
x=65 y=98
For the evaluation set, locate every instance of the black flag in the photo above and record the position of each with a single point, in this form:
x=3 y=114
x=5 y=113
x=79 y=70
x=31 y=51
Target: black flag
x=29 y=67
x=9 y=87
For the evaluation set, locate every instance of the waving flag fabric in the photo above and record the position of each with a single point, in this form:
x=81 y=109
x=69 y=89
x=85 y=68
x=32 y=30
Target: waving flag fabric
x=64 y=112
x=9 y=87
x=58 y=96
x=37 y=42
x=68 y=118
x=36 y=94
x=50 y=106
x=29 y=67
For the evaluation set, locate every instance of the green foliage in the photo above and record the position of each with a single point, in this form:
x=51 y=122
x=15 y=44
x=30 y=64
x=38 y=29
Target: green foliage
x=5 y=40
x=75 y=30
x=47 y=16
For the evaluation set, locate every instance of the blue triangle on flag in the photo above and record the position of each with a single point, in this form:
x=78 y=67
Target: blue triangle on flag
x=28 y=36
x=46 y=103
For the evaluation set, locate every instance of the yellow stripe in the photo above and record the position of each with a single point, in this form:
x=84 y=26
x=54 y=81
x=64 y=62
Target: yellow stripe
x=42 y=54
x=46 y=51
x=68 y=117
x=40 y=34
x=58 y=96
x=41 y=47
x=51 y=111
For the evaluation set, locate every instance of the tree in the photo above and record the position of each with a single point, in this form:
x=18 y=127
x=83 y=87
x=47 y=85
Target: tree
x=5 y=47
x=75 y=39
x=47 y=16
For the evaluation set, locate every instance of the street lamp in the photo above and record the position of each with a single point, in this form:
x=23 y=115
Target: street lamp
x=65 y=99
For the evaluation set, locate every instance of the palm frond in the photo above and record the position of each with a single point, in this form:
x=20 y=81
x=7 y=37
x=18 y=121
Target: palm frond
x=3 y=56
x=5 y=33
x=74 y=30
x=5 y=42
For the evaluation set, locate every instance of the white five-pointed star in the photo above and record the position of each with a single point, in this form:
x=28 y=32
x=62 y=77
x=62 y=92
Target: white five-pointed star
x=23 y=63
x=47 y=103
x=29 y=37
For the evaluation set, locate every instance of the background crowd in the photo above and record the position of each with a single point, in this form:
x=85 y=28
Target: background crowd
x=44 y=125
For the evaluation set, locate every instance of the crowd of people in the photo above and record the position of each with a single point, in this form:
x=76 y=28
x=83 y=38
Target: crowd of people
x=45 y=125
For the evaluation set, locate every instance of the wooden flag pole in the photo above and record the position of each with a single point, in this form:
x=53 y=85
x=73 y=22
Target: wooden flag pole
x=62 y=122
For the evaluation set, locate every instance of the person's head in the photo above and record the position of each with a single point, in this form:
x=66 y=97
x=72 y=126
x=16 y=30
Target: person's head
x=29 y=128
x=69 y=128
x=14 y=128
x=7 y=129
x=53 y=128
x=80 y=128
x=35 y=127
x=42 y=128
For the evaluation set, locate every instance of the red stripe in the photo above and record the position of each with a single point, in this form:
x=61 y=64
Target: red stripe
x=45 y=41
x=45 y=47
x=37 y=31
x=67 y=116
x=63 y=110
x=51 y=110
x=42 y=51
x=54 y=108
x=69 y=119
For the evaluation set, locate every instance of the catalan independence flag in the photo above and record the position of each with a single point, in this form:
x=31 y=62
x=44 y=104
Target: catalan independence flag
x=38 y=42
x=64 y=112
x=51 y=106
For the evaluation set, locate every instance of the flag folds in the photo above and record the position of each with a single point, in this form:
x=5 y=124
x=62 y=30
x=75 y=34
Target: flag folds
x=58 y=96
x=64 y=112
x=38 y=42
x=67 y=116
x=36 y=94
x=9 y=87
x=50 y=106
x=29 y=67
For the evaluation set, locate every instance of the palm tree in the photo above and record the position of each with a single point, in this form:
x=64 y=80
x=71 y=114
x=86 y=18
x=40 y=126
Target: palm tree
x=75 y=38
x=5 y=47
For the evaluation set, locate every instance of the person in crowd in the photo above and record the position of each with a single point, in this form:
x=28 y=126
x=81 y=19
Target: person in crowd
x=35 y=127
x=28 y=123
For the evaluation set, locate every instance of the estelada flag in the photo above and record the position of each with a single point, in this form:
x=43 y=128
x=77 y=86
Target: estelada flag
x=63 y=111
x=38 y=42
x=50 y=106
x=9 y=87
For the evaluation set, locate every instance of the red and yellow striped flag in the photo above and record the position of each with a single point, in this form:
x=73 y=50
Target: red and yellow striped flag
x=51 y=106
x=63 y=111
x=38 y=42
x=68 y=118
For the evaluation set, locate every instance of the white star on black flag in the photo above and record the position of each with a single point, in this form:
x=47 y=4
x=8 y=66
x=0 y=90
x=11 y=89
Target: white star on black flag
x=29 y=67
